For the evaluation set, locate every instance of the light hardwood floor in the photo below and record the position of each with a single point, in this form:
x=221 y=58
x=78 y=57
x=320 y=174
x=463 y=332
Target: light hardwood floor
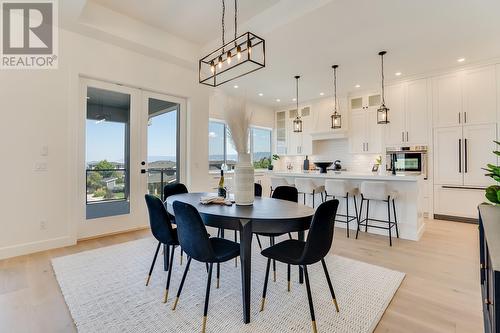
x=440 y=293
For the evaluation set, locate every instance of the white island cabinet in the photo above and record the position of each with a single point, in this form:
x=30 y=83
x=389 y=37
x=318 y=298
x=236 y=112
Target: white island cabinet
x=409 y=202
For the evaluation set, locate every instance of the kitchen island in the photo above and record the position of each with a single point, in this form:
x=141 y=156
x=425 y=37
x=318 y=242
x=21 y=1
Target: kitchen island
x=409 y=201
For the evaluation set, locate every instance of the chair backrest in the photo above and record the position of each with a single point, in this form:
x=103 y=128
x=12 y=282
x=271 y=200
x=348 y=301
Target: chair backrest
x=174 y=188
x=192 y=233
x=320 y=236
x=257 y=189
x=304 y=185
x=289 y=193
x=336 y=187
x=375 y=190
x=159 y=220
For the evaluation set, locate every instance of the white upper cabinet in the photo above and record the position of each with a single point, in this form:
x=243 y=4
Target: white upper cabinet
x=417 y=113
x=465 y=97
x=395 y=131
x=448 y=157
x=408 y=114
x=357 y=132
x=478 y=152
x=447 y=100
x=365 y=135
x=480 y=99
x=289 y=142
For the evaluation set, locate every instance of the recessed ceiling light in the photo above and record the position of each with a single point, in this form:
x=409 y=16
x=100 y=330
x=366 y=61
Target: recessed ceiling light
x=461 y=59
x=261 y=94
x=294 y=99
x=397 y=73
x=357 y=86
x=321 y=93
x=278 y=100
x=235 y=86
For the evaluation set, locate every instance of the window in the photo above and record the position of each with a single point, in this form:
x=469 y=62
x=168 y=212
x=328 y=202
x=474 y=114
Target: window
x=107 y=152
x=221 y=148
x=261 y=147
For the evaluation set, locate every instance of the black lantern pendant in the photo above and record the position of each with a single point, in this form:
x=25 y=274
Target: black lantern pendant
x=297 y=122
x=335 y=117
x=382 y=111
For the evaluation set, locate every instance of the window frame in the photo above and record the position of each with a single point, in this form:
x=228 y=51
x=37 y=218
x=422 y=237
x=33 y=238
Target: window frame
x=251 y=140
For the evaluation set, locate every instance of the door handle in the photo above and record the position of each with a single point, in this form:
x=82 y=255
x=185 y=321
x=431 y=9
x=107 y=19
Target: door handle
x=460 y=155
x=143 y=170
x=465 y=156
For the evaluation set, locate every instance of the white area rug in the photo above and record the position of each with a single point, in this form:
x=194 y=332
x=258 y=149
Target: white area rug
x=105 y=292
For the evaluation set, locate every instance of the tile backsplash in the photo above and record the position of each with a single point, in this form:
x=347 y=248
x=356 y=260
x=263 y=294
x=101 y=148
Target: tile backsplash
x=331 y=150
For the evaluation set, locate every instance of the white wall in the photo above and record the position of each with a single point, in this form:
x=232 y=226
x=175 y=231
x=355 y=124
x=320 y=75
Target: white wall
x=39 y=108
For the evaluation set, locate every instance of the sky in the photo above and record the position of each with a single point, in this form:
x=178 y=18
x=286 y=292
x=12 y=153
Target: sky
x=106 y=140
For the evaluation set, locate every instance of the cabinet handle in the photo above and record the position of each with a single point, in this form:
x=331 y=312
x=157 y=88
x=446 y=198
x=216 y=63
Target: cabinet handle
x=407 y=136
x=465 y=156
x=460 y=155
x=465 y=117
x=403 y=136
x=459 y=118
x=367 y=147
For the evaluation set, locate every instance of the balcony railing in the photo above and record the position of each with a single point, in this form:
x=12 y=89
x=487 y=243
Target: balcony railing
x=158 y=178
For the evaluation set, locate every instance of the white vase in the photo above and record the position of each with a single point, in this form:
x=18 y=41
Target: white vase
x=244 y=181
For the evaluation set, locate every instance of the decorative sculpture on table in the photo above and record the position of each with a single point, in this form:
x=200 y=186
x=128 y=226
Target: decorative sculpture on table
x=238 y=116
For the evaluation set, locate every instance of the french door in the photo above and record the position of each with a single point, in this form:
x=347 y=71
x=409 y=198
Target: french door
x=132 y=145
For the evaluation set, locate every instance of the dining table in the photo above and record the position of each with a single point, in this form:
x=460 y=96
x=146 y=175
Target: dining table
x=265 y=215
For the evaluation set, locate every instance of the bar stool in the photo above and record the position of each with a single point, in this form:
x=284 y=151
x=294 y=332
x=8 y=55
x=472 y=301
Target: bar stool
x=277 y=181
x=306 y=186
x=342 y=189
x=378 y=191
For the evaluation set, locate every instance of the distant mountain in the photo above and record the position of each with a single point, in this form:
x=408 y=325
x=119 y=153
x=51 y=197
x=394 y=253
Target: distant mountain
x=154 y=158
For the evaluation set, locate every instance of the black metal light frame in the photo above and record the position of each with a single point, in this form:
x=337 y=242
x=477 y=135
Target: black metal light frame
x=243 y=41
x=382 y=111
x=297 y=122
x=336 y=118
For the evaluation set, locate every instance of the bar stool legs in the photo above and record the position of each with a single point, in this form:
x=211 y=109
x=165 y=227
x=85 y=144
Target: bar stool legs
x=389 y=222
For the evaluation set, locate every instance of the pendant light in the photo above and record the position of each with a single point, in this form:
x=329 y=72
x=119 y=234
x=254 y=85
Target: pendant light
x=224 y=64
x=297 y=122
x=336 y=118
x=382 y=111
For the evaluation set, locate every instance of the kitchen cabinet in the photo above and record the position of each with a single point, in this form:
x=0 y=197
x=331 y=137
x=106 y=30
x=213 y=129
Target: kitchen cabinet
x=364 y=133
x=457 y=202
x=289 y=142
x=448 y=155
x=408 y=114
x=465 y=97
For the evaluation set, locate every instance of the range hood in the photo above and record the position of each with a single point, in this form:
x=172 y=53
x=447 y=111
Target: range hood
x=329 y=135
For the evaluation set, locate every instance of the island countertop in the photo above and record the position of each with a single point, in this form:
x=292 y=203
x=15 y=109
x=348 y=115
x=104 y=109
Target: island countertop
x=350 y=175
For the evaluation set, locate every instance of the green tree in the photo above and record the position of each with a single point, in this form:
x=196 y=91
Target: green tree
x=105 y=165
x=94 y=181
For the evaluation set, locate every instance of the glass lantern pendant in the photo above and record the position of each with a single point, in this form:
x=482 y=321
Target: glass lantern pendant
x=297 y=122
x=382 y=111
x=336 y=118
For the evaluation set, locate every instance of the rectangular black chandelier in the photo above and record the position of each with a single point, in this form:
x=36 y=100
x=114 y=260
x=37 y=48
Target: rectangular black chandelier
x=239 y=57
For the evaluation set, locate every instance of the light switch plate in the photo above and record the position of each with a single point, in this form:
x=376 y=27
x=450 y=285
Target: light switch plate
x=44 y=151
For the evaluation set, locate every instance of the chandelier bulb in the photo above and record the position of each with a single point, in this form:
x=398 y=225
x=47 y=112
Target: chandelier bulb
x=238 y=52
x=212 y=67
x=249 y=46
x=228 y=56
x=219 y=61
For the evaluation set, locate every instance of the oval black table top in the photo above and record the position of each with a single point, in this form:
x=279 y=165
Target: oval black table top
x=262 y=209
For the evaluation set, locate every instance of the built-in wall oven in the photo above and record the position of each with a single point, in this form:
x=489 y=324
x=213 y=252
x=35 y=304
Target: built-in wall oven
x=408 y=160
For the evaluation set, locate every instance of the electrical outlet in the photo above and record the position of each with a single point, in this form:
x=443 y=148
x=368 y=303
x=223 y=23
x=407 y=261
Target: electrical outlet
x=44 y=150
x=43 y=225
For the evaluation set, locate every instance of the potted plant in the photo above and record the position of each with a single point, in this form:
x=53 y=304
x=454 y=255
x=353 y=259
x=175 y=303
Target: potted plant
x=493 y=191
x=275 y=157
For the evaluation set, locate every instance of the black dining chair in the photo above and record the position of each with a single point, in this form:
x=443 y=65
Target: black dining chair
x=162 y=230
x=173 y=189
x=257 y=189
x=199 y=246
x=314 y=249
x=288 y=193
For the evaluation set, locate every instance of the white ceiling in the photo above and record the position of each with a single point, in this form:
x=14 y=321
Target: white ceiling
x=307 y=37
x=198 y=21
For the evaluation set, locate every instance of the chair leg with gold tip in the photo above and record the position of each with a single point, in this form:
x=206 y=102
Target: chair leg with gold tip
x=265 y=285
x=182 y=256
x=153 y=263
x=218 y=274
x=288 y=275
x=182 y=283
x=309 y=296
x=207 y=296
x=169 y=274
x=330 y=284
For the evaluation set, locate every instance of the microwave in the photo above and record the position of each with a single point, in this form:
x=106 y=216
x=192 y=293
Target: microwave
x=407 y=160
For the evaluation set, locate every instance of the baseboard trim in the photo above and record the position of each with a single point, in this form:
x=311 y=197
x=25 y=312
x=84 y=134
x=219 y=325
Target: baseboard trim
x=33 y=247
x=112 y=233
x=455 y=218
